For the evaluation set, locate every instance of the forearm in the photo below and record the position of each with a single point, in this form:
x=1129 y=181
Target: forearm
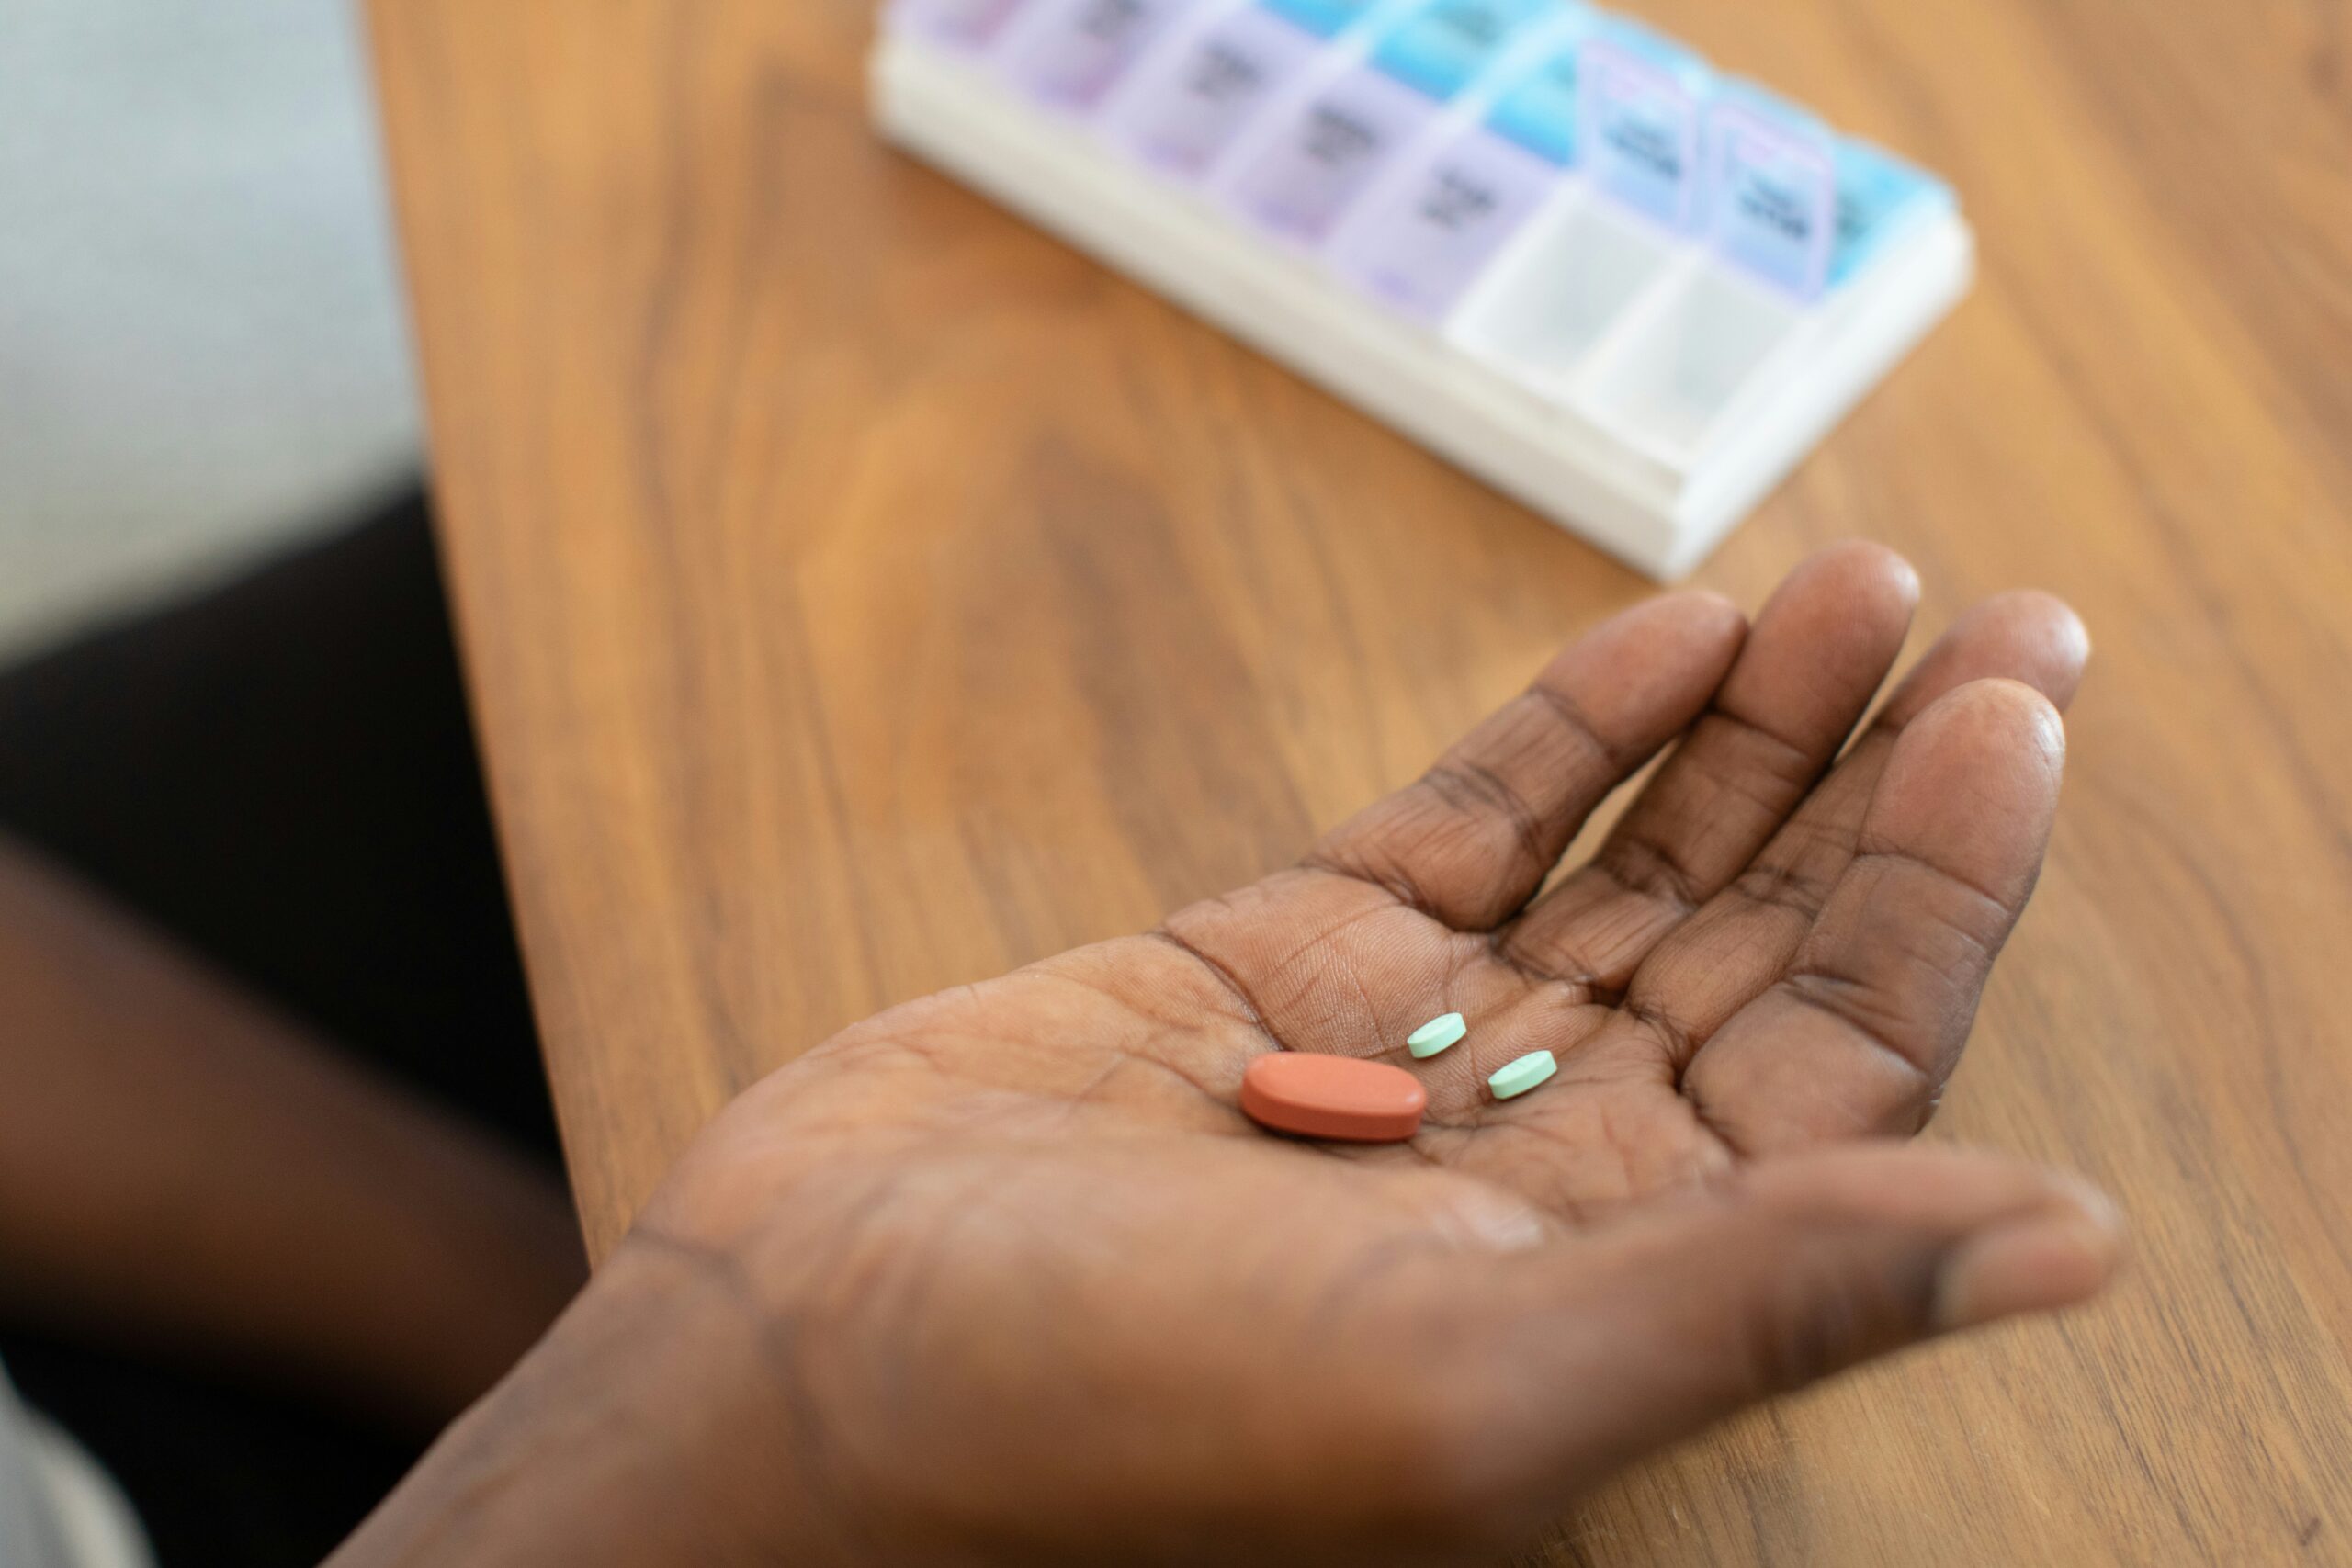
x=180 y=1166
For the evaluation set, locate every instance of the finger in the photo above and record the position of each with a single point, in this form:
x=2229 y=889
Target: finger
x=2025 y=636
x=1743 y=941
x=1861 y=1033
x=1472 y=840
x=1603 y=1347
x=1815 y=658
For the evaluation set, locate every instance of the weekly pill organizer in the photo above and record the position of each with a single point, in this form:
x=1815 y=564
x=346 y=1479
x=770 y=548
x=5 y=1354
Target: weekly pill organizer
x=1552 y=245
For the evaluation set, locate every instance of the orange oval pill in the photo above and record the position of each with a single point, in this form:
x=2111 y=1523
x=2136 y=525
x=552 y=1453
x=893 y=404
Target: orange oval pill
x=1333 y=1097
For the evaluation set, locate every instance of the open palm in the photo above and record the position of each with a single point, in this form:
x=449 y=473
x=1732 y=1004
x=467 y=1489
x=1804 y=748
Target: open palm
x=1003 y=1274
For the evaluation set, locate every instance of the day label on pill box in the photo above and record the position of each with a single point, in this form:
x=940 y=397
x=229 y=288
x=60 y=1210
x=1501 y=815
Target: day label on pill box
x=1641 y=133
x=1424 y=248
x=1775 y=201
x=1304 y=179
x=1300 y=181
x=1073 y=52
x=1185 y=116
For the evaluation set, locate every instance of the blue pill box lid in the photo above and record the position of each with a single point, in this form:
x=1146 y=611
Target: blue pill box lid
x=1445 y=45
x=1324 y=19
x=1880 y=199
x=1539 y=110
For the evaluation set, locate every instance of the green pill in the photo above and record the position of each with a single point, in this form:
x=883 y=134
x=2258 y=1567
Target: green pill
x=1535 y=1067
x=1436 y=1035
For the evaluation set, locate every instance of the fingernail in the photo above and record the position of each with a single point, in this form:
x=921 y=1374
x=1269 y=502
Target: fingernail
x=2082 y=633
x=2049 y=730
x=2039 y=1261
x=1906 y=579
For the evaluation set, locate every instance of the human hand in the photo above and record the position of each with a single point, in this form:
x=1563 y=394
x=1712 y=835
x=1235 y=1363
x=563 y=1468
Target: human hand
x=1002 y=1275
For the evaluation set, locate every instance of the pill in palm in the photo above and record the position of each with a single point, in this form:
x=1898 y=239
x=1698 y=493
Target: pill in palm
x=1535 y=1067
x=1333 y=1097
x=1438 y=1035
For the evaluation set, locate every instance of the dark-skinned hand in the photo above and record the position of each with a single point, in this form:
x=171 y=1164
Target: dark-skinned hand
x=1003 y=1275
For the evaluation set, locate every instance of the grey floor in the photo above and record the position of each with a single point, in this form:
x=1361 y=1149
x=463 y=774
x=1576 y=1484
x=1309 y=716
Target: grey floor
x=202 y=354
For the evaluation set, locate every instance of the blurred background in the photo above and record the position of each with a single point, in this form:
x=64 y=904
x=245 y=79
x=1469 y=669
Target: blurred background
x=203 y=356
x=278 y=1183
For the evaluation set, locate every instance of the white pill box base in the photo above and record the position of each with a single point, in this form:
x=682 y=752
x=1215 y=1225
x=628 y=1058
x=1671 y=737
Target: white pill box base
x=1651 y=439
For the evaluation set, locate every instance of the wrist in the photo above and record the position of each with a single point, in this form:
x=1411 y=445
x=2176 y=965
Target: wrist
x=576 y=1458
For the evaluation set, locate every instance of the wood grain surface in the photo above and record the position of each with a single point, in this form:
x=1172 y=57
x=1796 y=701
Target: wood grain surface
x=863 y=593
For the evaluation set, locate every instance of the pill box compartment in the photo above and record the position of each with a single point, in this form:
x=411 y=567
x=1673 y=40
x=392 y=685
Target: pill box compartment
x=1690 y=359
x=1562 y=289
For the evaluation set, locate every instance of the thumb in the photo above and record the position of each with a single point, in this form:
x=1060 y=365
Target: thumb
x=1626 y=1339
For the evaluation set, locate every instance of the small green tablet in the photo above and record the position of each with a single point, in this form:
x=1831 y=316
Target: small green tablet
x=1438 y=1035
x=1535 y=1067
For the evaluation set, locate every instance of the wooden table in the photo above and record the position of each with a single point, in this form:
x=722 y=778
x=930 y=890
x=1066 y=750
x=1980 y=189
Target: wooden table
x=864 y=593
